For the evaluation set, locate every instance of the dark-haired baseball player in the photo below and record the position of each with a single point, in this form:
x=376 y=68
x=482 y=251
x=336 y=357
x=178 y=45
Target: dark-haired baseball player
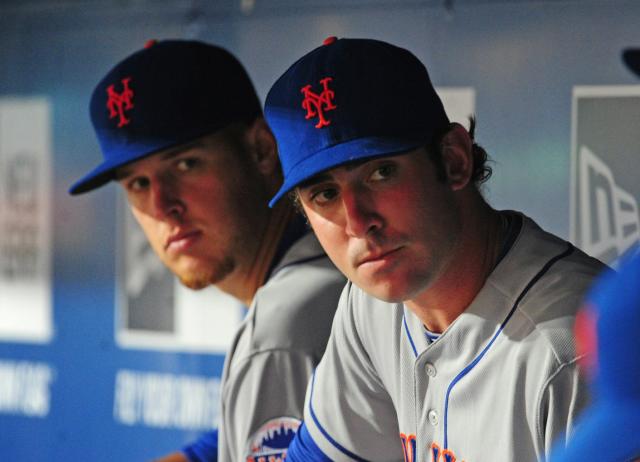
x=453 y=340
x=181 y=130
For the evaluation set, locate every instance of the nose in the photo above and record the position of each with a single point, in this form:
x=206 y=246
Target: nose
x=361 y=217
x=165 y=201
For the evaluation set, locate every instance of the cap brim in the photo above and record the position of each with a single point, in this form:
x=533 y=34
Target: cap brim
x=133 y=152
x=631 y=58
x=344 y=153
x=103 y=173
x=607 y=432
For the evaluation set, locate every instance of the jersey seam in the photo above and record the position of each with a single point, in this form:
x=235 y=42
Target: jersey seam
x=561 y=368
x=348 y=313
x=351 y=313
x=547 y=341
x=246 y=359
x=523 y=294
x=325 y=433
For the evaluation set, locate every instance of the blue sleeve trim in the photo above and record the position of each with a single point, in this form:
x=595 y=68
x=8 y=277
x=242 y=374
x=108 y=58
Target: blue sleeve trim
x=304 y=449
x=325 y=433
x=467 y=369
x=204 y=449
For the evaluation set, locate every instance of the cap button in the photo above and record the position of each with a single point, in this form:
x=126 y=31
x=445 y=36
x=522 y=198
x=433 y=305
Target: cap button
x=150 y=43
x=330 y=40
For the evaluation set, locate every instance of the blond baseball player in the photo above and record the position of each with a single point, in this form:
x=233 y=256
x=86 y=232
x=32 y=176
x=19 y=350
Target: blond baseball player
x=181 y=130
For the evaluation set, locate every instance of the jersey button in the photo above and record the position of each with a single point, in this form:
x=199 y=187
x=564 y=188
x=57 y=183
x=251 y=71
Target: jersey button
x=433 y=417
x=431 y=370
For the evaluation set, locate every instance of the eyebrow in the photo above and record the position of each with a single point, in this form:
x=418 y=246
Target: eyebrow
x=124 y=171
x=319 y=178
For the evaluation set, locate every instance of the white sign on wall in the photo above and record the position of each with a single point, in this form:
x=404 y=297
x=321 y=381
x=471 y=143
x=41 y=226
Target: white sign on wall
x=25 y=220
x=459 y=103
x=163 y=400
x=605 y=166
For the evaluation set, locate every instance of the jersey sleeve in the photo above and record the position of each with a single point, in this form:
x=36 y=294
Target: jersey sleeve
x=561 y=402
x=263 y=409
x=272 y=357
x=349 y=416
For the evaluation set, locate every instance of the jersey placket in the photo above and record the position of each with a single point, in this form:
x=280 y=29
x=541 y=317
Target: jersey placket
x=427 y=388
x=430 y=389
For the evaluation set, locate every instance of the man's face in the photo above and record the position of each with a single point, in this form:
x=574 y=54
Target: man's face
x=202 y=206
x=389 y=224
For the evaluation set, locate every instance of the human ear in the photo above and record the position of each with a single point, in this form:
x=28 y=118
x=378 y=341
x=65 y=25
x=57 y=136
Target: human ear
x=263 y=147
x=457 y=156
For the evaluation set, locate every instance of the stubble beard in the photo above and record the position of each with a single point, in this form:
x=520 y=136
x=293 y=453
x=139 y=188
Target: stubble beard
x=200 y=278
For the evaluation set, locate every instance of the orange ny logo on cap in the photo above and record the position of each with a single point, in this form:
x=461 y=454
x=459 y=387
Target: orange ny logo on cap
x=316 y=104
x=120 y=102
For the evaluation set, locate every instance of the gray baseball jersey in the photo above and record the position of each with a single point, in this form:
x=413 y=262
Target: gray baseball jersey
x=498 y=385
x=273 y=354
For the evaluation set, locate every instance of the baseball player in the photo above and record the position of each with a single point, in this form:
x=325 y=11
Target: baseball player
x=453 y=339
x=181 y=130
x=607 y=334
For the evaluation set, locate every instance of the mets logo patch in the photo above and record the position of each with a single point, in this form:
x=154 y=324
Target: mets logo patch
x=118 y=103
x=270 y=442
x=316 y=104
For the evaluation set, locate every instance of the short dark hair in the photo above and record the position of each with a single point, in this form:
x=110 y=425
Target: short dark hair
x=482 y=171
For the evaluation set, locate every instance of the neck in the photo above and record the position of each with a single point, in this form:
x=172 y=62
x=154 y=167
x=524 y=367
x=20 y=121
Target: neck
x=472 y=261
x=254 y=278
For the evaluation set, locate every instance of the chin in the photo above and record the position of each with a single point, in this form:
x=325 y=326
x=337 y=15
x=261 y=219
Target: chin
x=198 y=275
x=384 y=291
x=194 y=283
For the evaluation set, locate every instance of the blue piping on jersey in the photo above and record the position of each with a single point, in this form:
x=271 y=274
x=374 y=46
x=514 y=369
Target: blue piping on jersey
x=406 y=328
x=467 y=369
x=324 y=432
x=431 y=337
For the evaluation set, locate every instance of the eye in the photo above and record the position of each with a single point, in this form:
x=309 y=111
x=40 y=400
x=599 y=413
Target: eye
x=383 y=172
x=323 y=196
x=186 y=164
x=137 y=184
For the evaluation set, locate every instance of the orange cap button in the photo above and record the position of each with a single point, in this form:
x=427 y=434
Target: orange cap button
x=330 y=40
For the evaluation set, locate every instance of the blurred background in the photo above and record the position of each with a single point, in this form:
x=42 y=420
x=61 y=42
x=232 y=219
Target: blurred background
x=102 y=356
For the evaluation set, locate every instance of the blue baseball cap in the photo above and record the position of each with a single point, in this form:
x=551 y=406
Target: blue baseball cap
x=609 y=430
x=631 y=57
x=169 y=93
x=347 y=100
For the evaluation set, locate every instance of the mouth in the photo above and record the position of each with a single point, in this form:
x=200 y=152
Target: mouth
x=375 y=257
x=181 y=241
